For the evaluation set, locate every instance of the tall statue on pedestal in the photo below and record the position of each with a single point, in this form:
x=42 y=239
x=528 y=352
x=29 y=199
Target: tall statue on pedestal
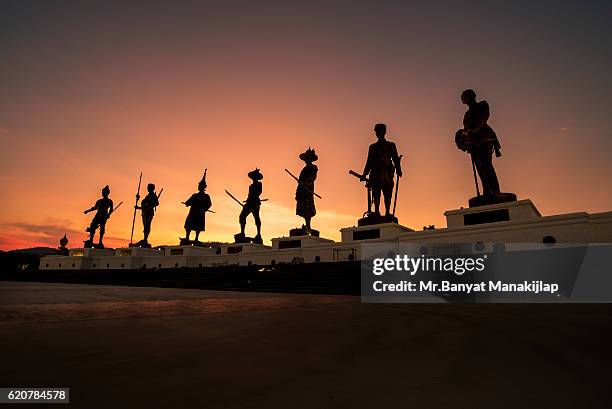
x=198 y=204
x=305 y=193
x=104 y=209
x=480 y=141
x=382 y=165
x=148 y=206
x=251 y=206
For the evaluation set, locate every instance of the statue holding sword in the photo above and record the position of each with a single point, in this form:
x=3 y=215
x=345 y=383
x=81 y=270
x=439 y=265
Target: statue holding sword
x=104 y=209
x=251 y=206
x=382 y=165
x=199 y=203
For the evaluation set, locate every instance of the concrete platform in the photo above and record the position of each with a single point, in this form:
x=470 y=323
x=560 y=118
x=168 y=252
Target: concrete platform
x=148 y=347
x=501 y=212
x=296 y=242
x=373 y=232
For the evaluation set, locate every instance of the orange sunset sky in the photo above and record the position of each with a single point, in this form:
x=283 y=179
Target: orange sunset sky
x=92 y=94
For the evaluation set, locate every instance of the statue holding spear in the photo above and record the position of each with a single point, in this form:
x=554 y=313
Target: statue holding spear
x=148 y=207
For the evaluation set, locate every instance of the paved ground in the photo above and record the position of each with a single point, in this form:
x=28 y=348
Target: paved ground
x=146 y=347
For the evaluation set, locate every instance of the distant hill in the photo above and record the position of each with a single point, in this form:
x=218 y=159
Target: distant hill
x=35 y=251
x=22 y=259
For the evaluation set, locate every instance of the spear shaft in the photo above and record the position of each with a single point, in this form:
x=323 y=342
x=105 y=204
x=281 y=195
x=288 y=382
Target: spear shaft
x=137 y=198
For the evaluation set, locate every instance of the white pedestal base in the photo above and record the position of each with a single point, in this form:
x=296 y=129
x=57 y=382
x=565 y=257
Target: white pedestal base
x=510 y=211
x=384 y=231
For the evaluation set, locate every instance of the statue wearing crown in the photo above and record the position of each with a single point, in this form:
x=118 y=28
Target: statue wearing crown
x=199 y=203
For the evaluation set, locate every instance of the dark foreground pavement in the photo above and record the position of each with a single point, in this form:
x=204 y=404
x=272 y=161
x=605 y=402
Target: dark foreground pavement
x=148 y=347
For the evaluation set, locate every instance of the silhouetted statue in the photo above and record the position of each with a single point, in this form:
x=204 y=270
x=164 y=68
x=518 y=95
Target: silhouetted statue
x=382 y=164
x=148 y=207
x=251 y=206
x=305 y=192
x=480 y=141
x=62 y=249
x=104 y=209
x=198 y=204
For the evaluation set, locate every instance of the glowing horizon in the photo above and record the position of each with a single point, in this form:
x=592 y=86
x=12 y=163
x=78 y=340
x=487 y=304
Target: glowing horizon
x=94 y=95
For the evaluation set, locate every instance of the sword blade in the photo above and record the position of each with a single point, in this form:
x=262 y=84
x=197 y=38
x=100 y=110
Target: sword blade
x=357 y=175
x=116 y=207
x=301 y=184
x=234 y=197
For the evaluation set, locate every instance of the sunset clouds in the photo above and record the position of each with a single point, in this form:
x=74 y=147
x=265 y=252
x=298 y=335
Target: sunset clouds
x=92 y=94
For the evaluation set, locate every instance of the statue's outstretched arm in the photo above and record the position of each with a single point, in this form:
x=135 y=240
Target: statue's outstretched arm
x=91 y=209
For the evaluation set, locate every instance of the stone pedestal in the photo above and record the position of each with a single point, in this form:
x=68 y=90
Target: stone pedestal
x=374 y=218
x=501 y=212
x=302 y=231
x=384 y=231
x=294 y=242
x=141 y=243
x=241 y=238
x=185 y=242
x=89 y=252
x=191 y=251
x=484 y=200
x=137 y=252
x=237 y=248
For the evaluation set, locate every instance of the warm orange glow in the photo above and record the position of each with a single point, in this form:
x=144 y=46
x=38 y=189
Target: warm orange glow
x=83 y=108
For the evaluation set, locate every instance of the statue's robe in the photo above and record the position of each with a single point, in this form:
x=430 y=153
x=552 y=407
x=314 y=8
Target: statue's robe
x=305 y=204
x=198 y=204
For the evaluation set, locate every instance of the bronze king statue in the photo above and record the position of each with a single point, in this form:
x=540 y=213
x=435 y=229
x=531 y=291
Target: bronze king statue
x=251 y=206
x=199 y=203
x=382 y=165
x=305 y=193
x=148 y=206
x=479 y=140
x=104 y=209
